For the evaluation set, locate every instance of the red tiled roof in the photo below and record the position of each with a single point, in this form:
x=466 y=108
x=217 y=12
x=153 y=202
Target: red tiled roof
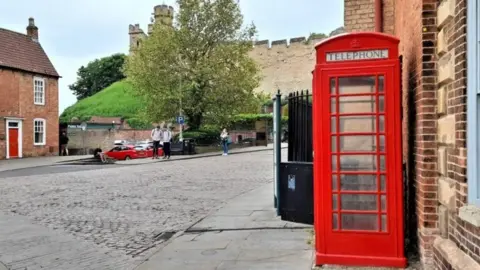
x=19 y=51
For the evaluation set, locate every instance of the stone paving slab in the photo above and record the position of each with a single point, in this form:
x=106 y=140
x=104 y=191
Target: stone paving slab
x=22 y=163
x=111 y=218
x=240 y=235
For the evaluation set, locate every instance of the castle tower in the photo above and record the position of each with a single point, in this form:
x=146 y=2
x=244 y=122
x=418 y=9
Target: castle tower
x=163 y=14
x=136 y=36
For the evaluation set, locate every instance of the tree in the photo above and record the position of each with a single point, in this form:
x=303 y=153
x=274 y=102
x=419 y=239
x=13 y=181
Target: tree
x=98 y=75
x=200 y=65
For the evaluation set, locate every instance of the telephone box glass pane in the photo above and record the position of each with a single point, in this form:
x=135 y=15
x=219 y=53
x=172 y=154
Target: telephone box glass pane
x=357 y=104
x=335 y=202
x=332 y=85
x=381 y=84
x=334 y=143
x=356 y=182
x=384 y=223
x=360 y=123
x=357 y=163
x=361 y=202
x=381 y=119
x=383 y=182
x=361 y=143
x=381 y=104
x=335 y=221
x=333 y=105
x=360 y=222
x=333 y=124
x=334 y=182
x=356 y=85
x=383 y=202
x=382 y=163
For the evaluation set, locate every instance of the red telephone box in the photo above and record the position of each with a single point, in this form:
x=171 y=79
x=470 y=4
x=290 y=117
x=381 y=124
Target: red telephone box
x=358 y=152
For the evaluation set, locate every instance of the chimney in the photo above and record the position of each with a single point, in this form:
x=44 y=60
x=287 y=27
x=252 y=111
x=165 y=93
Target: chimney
x=32 y=30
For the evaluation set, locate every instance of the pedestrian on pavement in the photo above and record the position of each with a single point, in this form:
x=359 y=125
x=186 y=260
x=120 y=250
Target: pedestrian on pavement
x=63 y=144
x=156 y=137
x=166 y=139
x=225 y=140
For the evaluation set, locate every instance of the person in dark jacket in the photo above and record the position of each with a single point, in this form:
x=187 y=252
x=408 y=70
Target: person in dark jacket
x=63 y=144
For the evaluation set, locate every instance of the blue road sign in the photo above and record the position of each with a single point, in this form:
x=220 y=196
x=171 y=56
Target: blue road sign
x=180 y=120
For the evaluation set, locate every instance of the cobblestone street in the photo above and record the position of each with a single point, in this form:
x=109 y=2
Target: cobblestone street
x=113 y=218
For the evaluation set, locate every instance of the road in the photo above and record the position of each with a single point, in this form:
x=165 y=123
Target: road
x=113 y=218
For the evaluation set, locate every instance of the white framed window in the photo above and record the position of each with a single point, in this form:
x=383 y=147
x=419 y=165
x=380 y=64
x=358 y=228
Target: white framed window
x=39 y=131
x=473 y=102
x=38 y=91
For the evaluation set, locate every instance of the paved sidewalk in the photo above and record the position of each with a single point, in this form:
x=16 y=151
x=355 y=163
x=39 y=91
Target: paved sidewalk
x=244 y=234
x=210 y=154
x=22 y=163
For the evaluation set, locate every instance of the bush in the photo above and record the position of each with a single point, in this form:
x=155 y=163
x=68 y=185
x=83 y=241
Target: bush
x=247 y=121
x=202 y=136
x=138 y=123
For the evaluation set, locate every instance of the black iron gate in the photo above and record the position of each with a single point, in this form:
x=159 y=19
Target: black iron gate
x=296 y=175
x=300 y=134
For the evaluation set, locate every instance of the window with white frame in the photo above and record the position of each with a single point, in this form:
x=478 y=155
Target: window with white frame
x=38 y=91
x=39 y=131
x=473 y=102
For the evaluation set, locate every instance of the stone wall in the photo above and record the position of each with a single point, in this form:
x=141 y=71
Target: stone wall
x=103 y=138
x=285 y=65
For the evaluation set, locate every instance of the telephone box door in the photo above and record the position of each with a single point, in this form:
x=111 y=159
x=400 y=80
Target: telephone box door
x=360 y=168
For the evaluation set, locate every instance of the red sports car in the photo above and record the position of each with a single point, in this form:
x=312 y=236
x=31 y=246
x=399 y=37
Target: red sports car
x=126 y=152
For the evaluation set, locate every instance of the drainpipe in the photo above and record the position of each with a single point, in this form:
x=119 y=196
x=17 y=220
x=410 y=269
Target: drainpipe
x=378 y=16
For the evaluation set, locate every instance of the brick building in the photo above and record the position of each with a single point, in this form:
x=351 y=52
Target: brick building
x=28 y=96
x=438 y=55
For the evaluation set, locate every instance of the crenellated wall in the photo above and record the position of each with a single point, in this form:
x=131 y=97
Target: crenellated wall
x=285 y=65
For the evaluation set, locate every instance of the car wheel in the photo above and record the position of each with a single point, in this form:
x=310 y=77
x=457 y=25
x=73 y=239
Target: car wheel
x=127 y=158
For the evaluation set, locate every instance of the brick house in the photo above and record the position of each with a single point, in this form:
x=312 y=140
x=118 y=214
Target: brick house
x=439 y=46
x=29 y=96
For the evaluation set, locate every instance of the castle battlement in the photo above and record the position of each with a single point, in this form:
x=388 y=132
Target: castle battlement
x=135 y=29
x=308 y=41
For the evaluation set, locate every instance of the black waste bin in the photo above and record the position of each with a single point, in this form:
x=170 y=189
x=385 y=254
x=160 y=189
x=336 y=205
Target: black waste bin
x=189 y=146
x=296 y=192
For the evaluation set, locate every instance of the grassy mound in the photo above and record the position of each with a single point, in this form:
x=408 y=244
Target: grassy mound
x=117 y=100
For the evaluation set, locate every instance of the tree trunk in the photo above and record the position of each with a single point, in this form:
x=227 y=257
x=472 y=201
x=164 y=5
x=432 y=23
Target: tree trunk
x=195 y=121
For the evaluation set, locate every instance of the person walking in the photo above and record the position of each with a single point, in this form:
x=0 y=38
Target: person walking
x=63 y=144
x=166 y=139
x=224 y=137
x=156 y=138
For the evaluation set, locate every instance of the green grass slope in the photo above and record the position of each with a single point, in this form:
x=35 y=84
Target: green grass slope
x=117 y=100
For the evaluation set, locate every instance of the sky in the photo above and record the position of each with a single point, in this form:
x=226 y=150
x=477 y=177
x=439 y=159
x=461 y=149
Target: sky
x=75 y=32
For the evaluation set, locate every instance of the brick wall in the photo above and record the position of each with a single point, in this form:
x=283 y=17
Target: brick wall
x=359 y=15
x=16 y=92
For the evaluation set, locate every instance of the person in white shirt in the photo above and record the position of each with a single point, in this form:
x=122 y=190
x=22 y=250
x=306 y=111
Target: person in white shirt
x=224 y=137
x=156 y=137
x=166 y=140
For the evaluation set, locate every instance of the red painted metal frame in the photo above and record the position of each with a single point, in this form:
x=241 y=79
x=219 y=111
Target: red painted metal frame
x=348 y=247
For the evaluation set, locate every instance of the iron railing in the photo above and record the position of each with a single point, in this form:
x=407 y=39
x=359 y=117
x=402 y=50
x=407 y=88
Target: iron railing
x=300 y=146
